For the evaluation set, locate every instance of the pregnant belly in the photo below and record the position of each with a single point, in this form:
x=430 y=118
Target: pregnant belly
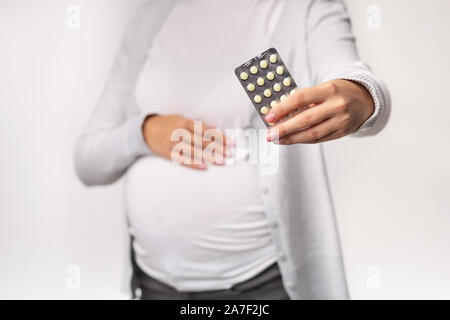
x=197 y=229
x=162 y=197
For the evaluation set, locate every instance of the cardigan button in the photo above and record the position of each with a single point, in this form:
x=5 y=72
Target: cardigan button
x=282 y=256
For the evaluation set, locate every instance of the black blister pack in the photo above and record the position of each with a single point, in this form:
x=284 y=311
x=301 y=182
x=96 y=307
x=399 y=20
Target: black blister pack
x=266 y=80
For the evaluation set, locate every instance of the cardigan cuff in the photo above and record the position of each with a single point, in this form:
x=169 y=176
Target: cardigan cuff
x=134 y=137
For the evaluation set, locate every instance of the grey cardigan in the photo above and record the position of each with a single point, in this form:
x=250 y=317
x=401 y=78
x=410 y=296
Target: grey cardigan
x=315 y=39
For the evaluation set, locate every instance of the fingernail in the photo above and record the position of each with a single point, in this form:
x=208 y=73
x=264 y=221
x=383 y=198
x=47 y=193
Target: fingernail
x=270 y=117
x=201 y=166
x=271 y=136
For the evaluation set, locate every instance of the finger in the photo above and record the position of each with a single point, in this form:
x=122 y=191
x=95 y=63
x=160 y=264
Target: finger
x=186 y=158
x=213 y=154
x=201 y=166
x=205 y=131
x=220 y=139
x=301 y=121
x=332 y=136
x=199 y=141
x=203 y=135
x=210 y=155
x=299 y=99
x=314 y=133
x=197 y=130
x=214 y=144
x=197 y=126
x=198 y=155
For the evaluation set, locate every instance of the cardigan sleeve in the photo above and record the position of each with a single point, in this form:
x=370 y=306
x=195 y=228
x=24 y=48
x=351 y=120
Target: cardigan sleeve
x=113 y=138
x=332 y=54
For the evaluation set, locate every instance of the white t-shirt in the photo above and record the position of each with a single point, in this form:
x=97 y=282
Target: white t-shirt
x=201 y=230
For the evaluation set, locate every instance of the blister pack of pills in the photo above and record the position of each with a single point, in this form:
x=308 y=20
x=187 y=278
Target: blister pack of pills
x=266 y=80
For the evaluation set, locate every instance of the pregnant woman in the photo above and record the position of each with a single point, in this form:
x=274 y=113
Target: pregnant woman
x=207 y=229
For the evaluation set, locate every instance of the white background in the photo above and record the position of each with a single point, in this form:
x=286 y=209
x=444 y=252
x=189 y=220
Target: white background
x=392 y=191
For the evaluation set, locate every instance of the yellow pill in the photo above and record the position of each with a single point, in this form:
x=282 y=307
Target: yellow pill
x=270 y=75
x=270 y=123
x=251 y=87
x=257 y=98
x=277 y=87
x=244 y=75
x=287 y=81
x=264 y=110
x=273 y=104
x=260 y=81
x=263 y=64
x=267 y=93
x=280 y=70
x=282 y=97
x=292 y=91
x=253 y=70
x=273 y=58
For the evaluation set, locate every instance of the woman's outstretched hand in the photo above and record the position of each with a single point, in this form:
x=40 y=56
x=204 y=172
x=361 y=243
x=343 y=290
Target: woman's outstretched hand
x=336 y=108
x=181 y=140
